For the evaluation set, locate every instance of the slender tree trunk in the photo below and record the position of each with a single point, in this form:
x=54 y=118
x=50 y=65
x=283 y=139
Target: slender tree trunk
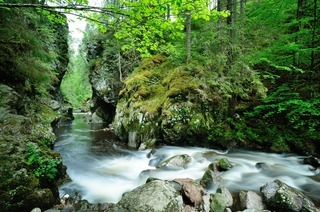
x=299 y=16
x=314 y=31
x=229 y=7
x=119 y=66
x=242 y=3
x=188 y=36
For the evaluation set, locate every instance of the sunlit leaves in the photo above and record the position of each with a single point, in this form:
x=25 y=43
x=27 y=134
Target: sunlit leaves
x=152 y=25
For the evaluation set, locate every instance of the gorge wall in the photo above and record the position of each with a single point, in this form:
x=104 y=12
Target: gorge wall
x=33 y=60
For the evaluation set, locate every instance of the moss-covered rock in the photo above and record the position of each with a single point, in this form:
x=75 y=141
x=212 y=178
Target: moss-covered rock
x=218 y=203
x=224 y=164
x=171 y=105
x=281 y=197
x=210 y=179
x=32 y=66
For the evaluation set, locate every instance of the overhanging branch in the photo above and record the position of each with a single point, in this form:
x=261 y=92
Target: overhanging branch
x=67 y=7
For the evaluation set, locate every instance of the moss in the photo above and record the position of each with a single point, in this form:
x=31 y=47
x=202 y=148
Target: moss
x=218 y=203
x=206 y=179
x=224 y=164
x=150 y=63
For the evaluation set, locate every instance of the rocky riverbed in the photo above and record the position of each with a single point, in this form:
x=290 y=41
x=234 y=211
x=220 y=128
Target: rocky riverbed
x=185 y=194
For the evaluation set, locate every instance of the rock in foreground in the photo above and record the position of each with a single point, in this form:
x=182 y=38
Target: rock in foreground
x=281 y=197
x=155 y=195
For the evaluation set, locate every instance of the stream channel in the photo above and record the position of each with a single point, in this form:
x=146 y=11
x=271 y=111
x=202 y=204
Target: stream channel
x=102 y=169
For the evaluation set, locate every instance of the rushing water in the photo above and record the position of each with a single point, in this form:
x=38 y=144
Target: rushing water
x=102 y=169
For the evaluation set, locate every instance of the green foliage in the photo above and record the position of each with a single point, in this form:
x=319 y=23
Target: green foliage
x=282 y=34
x=42 y=165
x=75 y=85
x=28 y=53
x=289 y=108
x=151 y=26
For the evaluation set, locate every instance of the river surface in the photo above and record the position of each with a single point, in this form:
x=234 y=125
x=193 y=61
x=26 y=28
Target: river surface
x=102 y=169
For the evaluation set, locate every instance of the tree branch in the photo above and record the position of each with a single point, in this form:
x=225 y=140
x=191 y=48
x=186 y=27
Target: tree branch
x=67 y=7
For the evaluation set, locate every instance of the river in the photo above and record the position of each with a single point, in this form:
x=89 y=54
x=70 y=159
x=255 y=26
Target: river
x=102 y=169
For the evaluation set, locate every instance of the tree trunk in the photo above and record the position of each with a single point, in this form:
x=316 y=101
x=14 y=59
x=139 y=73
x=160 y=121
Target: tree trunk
x=188 y=36
x=314 y=31
x=119 y=66
x=299 y=15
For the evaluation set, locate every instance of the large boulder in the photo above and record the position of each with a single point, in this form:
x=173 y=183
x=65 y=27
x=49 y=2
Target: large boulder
x=154 y=196
x=177 y=161
x=168 y=104
x=281 y=197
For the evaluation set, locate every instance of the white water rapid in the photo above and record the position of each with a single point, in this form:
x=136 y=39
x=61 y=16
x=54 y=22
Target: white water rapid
x=101 y=171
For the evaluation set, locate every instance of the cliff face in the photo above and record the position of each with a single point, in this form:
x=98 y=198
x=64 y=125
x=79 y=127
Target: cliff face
x=33 y=59
x=109 y=67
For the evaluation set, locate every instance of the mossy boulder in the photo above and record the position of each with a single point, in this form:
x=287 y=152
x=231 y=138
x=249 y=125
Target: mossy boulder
x=279 y=196
x=218 y=202
x=175 y=106
x=224 y=164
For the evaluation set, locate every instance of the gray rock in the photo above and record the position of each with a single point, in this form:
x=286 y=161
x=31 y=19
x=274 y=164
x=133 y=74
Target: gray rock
x=96 y=119
x=251 y=200
x=133 y=140
x=281 y=197
x=154 y=196
x=36 y=210
x=178 y=161
x=206 y=203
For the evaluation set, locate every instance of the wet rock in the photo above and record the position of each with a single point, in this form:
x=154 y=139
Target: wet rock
x=133 y=139
x=191 y=191
x=178 y=161
x=251 y=200
x=218 y=202
x=262 y=166
x=206 y=202
x=224 y=164
x=36 y=210
x=281 y=197
x=210 y=179
x=213 y=167
x=226 y=193
x=313 y=161
x=96 y=119
x=156 y=195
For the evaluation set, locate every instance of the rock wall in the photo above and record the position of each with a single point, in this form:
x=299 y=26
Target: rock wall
x=34 y=57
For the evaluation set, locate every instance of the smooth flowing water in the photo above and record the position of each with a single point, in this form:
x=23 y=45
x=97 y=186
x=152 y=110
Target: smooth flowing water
x=101 y=169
